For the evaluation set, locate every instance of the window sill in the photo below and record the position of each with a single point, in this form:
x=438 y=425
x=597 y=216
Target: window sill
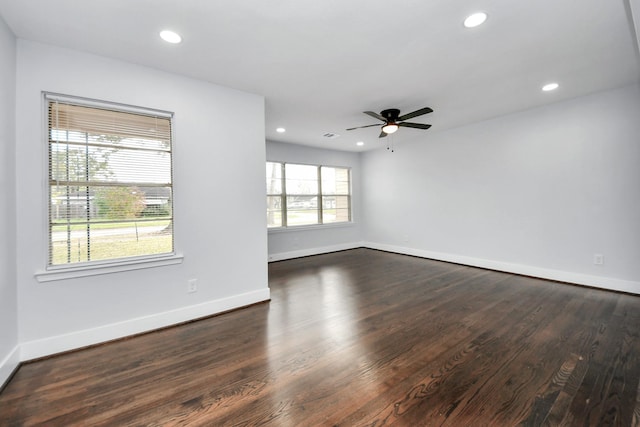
x=107 y=268
x=310 y=227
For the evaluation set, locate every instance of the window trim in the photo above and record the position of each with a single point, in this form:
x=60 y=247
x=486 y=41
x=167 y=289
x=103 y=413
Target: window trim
x=310 y=227
x=320 y=224
x=99 y=267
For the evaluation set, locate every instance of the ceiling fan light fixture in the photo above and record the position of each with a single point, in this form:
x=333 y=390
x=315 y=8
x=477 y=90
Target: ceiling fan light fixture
x=389 y=128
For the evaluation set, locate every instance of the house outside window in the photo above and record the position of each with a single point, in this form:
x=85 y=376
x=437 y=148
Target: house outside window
x=110 y=182
x=299 y=194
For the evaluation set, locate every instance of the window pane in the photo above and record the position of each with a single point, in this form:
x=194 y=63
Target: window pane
x=274 y=211
x=335 y=209
x=73 y=203
x=302 y=202
x=85 y=162
x=77 y=163
x=302 y=217
x=302 y=210
x=274 y=178
x=108 y=203
x=81 y=242
x=301 y=179
x=301 y=191
x=335 y=180
x=110 y=184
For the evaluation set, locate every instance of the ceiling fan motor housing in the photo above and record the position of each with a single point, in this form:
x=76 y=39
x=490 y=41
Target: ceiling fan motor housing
x=390 y=114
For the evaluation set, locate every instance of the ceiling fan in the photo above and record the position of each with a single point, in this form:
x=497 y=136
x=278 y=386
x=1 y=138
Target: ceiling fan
x=393 y=120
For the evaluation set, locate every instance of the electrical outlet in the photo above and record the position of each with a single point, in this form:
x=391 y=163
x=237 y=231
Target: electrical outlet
x=192 y=286
x=598 y=259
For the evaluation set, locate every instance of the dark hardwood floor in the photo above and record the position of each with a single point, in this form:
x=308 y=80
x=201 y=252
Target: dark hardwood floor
x=361 y=338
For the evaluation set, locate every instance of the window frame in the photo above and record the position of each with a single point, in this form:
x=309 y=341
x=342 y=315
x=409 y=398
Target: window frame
x=319 y=209
x=52 y=272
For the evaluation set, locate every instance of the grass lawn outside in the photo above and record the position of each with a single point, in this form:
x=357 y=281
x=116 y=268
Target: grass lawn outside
x=76 y=225
x=109 y=241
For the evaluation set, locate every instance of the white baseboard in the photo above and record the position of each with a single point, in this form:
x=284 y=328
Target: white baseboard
x=314 y=251
x=9 y=364
x=543 y=273
x=74 y=340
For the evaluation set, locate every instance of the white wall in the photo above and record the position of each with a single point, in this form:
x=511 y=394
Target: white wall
x=295 y=242
x=220 y=227
x=537 y=192
x=9 y=354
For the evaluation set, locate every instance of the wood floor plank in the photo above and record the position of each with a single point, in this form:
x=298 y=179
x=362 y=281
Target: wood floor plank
x=424 y=380
x=623 y=370
x=357 y=338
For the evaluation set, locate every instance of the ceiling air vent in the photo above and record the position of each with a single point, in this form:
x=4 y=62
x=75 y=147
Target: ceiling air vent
x=331 y=135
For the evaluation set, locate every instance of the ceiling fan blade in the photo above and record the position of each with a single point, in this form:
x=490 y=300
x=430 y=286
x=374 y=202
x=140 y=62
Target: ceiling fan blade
x=375 y=115
x=367 y=126
x=382 y=134
x=416 y=113
x=414 y=125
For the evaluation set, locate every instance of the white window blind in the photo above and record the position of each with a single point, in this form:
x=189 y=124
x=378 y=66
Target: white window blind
x=110 y=182
x=300 y=194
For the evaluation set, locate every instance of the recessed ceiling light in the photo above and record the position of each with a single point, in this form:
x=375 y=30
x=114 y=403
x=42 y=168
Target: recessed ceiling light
x=170 y=36
x=281 y=130
x=359 y=143
x=475 y=19
x=549 y=87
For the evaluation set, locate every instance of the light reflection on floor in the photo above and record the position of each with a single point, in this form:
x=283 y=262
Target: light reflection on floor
x=335 y=310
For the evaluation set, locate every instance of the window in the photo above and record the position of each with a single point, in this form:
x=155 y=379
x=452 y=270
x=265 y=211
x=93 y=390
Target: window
x=307 y=194
x=110 y=182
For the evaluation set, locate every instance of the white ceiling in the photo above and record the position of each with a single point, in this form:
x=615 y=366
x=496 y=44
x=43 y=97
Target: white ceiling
x=320 y=63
